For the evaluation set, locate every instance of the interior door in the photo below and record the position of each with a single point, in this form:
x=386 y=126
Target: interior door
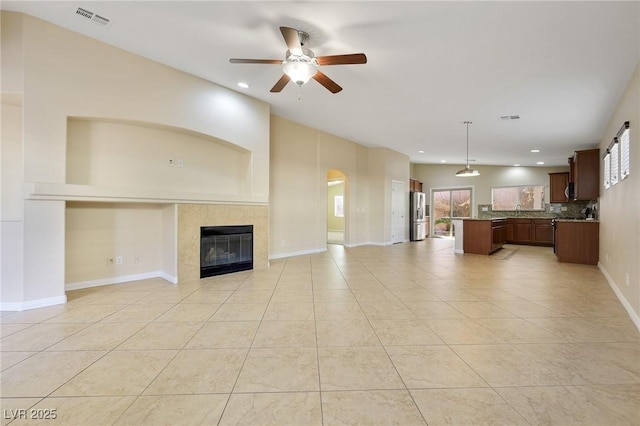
x=398 y=209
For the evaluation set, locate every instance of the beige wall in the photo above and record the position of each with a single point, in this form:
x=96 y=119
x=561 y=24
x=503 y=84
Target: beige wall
x=96 y=232
x=619 y=207
x=443 y=176
x=70 y=75
x=300 y=160
x=57 y=75
x=386 y=166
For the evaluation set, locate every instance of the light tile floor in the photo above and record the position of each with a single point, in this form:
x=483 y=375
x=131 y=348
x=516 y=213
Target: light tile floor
x=409 y=334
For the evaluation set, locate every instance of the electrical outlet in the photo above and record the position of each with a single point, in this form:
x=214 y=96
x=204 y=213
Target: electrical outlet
x=110 y=261
x=485 y=209
x=564 y=209
x=118 y=260
x=180 y=163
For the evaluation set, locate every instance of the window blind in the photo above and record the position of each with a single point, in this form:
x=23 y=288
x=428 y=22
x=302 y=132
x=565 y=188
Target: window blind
x=614 y=162
x=624 y=154
x=607 y=170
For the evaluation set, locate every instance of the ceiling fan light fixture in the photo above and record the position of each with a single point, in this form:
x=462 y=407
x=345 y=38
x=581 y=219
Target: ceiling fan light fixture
x=300 y=71
x=467 y=171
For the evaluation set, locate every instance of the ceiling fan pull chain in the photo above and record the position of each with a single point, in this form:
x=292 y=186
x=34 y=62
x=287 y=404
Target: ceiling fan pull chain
x=299 y=93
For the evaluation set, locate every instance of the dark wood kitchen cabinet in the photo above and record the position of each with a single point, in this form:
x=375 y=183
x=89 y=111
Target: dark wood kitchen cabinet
x=585 y=174
x=529 y=231
x=578 y=241
x=558 y=183
x=521 y=231
x=509 y=231
x=542 y=230
x=484 y=236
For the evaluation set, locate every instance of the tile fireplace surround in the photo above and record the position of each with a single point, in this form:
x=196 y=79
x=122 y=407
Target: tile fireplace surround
x=192 y=216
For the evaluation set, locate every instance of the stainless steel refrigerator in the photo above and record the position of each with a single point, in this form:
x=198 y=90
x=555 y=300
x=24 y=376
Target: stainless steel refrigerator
x=417 y=216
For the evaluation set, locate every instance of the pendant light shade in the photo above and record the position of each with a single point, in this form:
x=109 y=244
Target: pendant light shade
x=467 y=171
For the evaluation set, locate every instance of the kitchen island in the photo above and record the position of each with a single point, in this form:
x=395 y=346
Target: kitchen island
x=484 y=236
x=577 y=241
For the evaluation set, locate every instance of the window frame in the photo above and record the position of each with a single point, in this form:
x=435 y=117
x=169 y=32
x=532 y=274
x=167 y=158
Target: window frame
x=625 y=160
x=519 y=189
x=616 y=159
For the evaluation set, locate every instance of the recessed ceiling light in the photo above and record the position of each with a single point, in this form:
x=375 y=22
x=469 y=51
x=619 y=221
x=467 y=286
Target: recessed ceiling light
x=516 y=165
x=421 y=152
x=535 y=150
x=243 y=85
x=540 y=162
x=443 y=161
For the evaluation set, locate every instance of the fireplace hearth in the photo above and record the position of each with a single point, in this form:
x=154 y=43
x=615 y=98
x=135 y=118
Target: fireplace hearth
x=225 y=249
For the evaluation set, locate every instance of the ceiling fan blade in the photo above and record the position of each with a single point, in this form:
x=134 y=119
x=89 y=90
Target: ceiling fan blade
x=255 y=61
x=280 y=84
x=329 y=84
x=355 y=58
x=292 y=39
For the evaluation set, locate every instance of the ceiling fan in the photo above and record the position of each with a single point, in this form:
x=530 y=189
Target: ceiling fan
x=300 y=64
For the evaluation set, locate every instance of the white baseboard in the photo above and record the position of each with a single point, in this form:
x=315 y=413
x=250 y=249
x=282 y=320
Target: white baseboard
x=296 y=253
x=384 y=244
x=351 y=245
x=120 y=279
x=635 y=318
x=33 y=304
x=167 y=277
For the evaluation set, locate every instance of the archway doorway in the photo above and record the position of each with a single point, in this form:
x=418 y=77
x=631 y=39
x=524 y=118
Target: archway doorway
x=336 y=206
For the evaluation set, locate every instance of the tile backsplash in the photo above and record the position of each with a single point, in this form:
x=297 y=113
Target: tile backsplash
x=573 y=210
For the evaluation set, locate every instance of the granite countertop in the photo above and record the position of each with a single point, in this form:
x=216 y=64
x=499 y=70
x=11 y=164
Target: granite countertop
x=559 y=219
x=476 y=218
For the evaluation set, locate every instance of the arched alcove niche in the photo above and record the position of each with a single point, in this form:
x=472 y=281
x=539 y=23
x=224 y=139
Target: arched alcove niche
x=130 y=154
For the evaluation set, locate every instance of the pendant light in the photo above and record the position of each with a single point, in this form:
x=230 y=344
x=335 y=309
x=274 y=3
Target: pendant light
x=467 y=171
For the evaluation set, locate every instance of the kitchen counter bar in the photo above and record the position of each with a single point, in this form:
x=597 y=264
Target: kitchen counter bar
x=484 y=236
x=577 y=241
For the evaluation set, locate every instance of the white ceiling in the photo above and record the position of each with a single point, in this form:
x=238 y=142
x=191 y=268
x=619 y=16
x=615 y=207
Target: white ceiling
x=561 y=66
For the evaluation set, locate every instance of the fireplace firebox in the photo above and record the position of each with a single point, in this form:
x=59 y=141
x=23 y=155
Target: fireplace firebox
x=225 y=249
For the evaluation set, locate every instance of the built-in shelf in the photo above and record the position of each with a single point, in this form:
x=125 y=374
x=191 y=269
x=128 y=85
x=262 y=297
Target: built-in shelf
x=71 y=192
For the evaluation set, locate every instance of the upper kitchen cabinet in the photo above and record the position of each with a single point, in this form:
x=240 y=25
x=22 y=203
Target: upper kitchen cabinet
x=584 y=173
x=415 y=185
x=558 y=184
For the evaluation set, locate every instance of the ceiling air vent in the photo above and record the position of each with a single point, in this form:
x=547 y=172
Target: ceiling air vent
x=93 y=17
x=509 y=117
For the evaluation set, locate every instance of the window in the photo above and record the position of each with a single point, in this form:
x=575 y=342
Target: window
x=448 y=203
x=624 y=152
x=607 y=170
x=339 y=206
x=509 y=198
x=614 y=162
